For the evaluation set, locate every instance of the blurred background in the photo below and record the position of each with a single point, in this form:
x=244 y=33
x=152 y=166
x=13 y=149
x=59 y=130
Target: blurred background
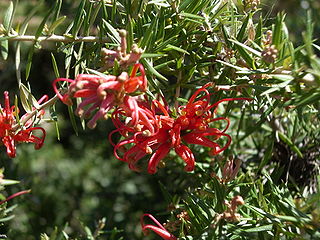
x=76 y=180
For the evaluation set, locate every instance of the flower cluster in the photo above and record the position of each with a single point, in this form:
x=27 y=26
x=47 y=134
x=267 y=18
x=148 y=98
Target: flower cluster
x=13 y=131
x=147 y=127
x=156 y=131
x=120 y=55
x=101 y=93
x=231 y=214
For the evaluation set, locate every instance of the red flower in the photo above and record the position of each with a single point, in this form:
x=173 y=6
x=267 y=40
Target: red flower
x=101 y=93
x=192 y=126
x=158 y=228
x=136 y=114
x=10 y=136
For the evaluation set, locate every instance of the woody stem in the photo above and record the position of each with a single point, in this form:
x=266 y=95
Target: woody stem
x=56 y=38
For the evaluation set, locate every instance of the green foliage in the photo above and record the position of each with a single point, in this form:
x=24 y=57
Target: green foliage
x=186 y=44
x=6 y=212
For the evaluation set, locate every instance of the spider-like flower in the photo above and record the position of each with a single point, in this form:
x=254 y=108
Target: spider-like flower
x=10 y=134
x=157 y=228
x=101 y=93
x=191 y=126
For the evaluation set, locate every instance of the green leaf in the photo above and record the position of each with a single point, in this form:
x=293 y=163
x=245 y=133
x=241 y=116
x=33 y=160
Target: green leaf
x=5 y=219
x=55 y=24
x=267 y=156
x=54 y=65
x=259 y=32
x=78 y=19
x=306 y=99
x=244 y=54
x=260 y=229
x=220 y=194
x=44 y=236
x=234 y=66
x=165 y=193
x=152 y=70
x=114 y=35
x=281 y=77
x=243 y=28
x=153 y=55
x=276 y=87
x=277 y=33
x=145 y=42
x=38 y=33
x=73 y=120
x=57 y=10
x=7 y=21
x=255 y=52
x=184 y=5
x=226 y=36
x=17 y=64
x=130 y=32
x=203 y=207
x=160 y=3
x=256 y=126
x=189 y=15
x=4 y=45
x=43 y=22
x=29 y=62
x=6 y=182
x=171 y=47
x=288 y=141
x=27 y=99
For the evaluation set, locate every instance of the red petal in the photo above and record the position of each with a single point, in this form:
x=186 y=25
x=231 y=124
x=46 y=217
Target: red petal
x=161 y=152
x=186 y=154
x=64 y=98
x=85 y=93
x=194 y=96
x=162 y=233
x=9 y=143
x=159 y=229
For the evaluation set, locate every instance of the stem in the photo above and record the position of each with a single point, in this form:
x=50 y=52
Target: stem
x=48 y=103
x=56 y=38
x=15 y=195
x=177 y=94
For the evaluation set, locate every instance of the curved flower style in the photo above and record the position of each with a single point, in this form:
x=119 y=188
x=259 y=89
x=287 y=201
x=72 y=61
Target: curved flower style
x=102 y=93
x=15 y=195
x=191 y=126
x=135 y=114
x=158 y=228
x=10 y=136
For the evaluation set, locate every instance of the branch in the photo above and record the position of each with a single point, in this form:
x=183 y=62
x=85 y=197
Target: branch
x=56 y=38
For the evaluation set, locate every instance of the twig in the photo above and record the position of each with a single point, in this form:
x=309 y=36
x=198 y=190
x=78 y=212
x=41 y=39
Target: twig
x=56 y=38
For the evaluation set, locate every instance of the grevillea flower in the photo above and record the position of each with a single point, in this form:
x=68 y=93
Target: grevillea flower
x=120 y=55
x=101 y=93
x=191 y=126
x=157 y=228
x=10 y=135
